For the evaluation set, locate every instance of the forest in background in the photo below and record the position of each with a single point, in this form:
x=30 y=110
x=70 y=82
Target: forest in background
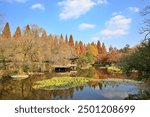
x=28 y=49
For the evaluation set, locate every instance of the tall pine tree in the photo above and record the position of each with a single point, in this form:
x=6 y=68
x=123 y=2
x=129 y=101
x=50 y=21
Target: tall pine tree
x=6 y=34
x=61 y=40
x=77 y=47
x=36 y=35
x=99 y=47
x=82 y=48
x=66 y=39
x=71 y=41
x=50 y=37
x=44 y=35
x=103 y=49
x=17 y=34
x=28 y=31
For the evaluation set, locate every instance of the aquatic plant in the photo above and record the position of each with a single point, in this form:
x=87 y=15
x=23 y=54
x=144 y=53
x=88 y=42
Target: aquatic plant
x=59 y=83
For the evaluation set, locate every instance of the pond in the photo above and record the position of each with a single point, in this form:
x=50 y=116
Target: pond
x=94 y=90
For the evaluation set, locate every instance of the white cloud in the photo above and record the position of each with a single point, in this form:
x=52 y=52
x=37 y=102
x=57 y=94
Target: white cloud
x=102 y=1
x=75 y=8
x=119 y=21
x=133 y=9
x=38 y=6
x=84 y=26
x=108 y=32
x=116 y=13
x=116 y=26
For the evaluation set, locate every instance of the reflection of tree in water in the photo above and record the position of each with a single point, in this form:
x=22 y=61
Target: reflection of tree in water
x=15 y=89
x=71 y=91
x=77 y=88
x=81 y=88
x=94 y=84
x=62 y=94
x=113 y=84
x=67 y=93
x=100 y=86
x=90 y=73
x=105 y=85
x=41 y=95
x=89 y=84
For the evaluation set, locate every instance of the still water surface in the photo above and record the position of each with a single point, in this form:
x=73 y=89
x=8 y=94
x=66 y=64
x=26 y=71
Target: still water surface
x=106 y=90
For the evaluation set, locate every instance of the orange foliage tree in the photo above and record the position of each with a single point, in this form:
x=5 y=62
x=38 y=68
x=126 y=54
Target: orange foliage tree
x=17 y=34
x=44 y=35
x=71 y=41
x=27 y=30
x=99 y=47
x=82 y=48
x=66 y=39
x=104 y=51
x=61 y=40
x=77 y=48
x=6 y=34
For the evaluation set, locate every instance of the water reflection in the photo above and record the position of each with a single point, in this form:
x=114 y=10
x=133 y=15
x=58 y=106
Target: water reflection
x=14 y=89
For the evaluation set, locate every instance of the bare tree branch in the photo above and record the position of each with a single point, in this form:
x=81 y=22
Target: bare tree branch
x=145 y=29
x=146 y=11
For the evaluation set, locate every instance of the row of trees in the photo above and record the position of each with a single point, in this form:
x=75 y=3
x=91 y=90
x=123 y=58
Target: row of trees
x=80 y=47
x=33 y=46
x=32 y=49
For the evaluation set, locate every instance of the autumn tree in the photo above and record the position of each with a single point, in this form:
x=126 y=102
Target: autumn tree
x=44 y=35
x=55 y=40
x=99 y=47
x=17 y=34
x=36 y=35
x=66 y=39
x=77 y=47
x=101 y=58
x=113 y=56
x=6 y=52
x=27 y=31
x=36 y=31
x=71 y=41
x=50 y=37
x=92 y=48
x=110 y=48
x=82 y=48
x=104 y=51
x=6 y=34
x=90 y=57
x=61 y=39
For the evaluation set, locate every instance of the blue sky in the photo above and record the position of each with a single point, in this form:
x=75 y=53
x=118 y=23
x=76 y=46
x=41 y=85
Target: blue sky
x=114 y=22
